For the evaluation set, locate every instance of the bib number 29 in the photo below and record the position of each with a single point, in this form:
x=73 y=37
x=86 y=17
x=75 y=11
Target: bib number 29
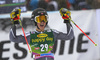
x=44 y=47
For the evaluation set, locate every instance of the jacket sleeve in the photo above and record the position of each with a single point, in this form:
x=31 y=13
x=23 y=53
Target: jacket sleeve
x=64 y=36
x=18 y=38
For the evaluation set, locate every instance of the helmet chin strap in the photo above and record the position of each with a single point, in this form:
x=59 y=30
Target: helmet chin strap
x=38 y=29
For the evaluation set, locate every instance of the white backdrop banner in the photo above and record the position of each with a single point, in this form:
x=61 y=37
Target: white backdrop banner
x=79 y=48
x=98 y=20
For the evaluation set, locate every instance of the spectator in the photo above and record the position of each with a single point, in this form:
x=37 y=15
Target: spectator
x=61 y=3
x=82 y=5
x=73 y=4
x=33 y=4
x=69 y=5
x=27 y=4
x=95 y=4
x=42 y=4
x=52 y=5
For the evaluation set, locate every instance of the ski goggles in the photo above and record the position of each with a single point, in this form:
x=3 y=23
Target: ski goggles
x=41 y=18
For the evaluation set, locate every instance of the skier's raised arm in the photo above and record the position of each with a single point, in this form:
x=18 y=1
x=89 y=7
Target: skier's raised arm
x=70 y=34
x=15 y=17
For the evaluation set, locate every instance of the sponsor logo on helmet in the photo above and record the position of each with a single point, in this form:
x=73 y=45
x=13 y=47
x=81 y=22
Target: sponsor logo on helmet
x=41 y=11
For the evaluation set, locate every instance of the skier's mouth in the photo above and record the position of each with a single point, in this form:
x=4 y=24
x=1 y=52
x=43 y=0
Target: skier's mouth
x=42 y=25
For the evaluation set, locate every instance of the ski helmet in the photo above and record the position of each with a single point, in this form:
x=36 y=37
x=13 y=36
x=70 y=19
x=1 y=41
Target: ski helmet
x=38 y=12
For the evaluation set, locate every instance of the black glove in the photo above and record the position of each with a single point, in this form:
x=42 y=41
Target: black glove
x=66 y=15
x=15 y=16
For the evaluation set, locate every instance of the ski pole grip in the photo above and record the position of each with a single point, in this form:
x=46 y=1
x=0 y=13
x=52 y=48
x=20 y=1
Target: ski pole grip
x=15 y=16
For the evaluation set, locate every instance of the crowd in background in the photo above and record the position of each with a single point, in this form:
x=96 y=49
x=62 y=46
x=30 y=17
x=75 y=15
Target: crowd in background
x=54 y=5
x=49 y=5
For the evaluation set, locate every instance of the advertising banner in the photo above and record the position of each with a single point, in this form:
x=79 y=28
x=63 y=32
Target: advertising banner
x=79 y=48
x=6 y=6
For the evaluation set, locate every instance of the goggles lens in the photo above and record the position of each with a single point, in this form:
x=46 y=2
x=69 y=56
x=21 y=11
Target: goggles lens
x=41 y=18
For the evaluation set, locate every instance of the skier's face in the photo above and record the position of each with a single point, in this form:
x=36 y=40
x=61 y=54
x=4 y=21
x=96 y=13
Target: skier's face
x=41 y=25
x=41 y=22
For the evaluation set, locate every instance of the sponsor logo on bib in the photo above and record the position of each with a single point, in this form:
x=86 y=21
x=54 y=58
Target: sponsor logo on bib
x=42 y=35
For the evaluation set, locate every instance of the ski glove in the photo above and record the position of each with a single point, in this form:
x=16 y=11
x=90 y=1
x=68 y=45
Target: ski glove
x=66 y=15
x=15 y=16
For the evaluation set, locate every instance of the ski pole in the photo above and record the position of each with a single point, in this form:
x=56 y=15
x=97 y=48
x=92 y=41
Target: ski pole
x=14 y=13
x=81 y=30
x=24 y=35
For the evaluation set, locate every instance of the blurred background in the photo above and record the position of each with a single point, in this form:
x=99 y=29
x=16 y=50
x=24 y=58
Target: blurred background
x=86 y=13
x=49 y=5
x=52 y=5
